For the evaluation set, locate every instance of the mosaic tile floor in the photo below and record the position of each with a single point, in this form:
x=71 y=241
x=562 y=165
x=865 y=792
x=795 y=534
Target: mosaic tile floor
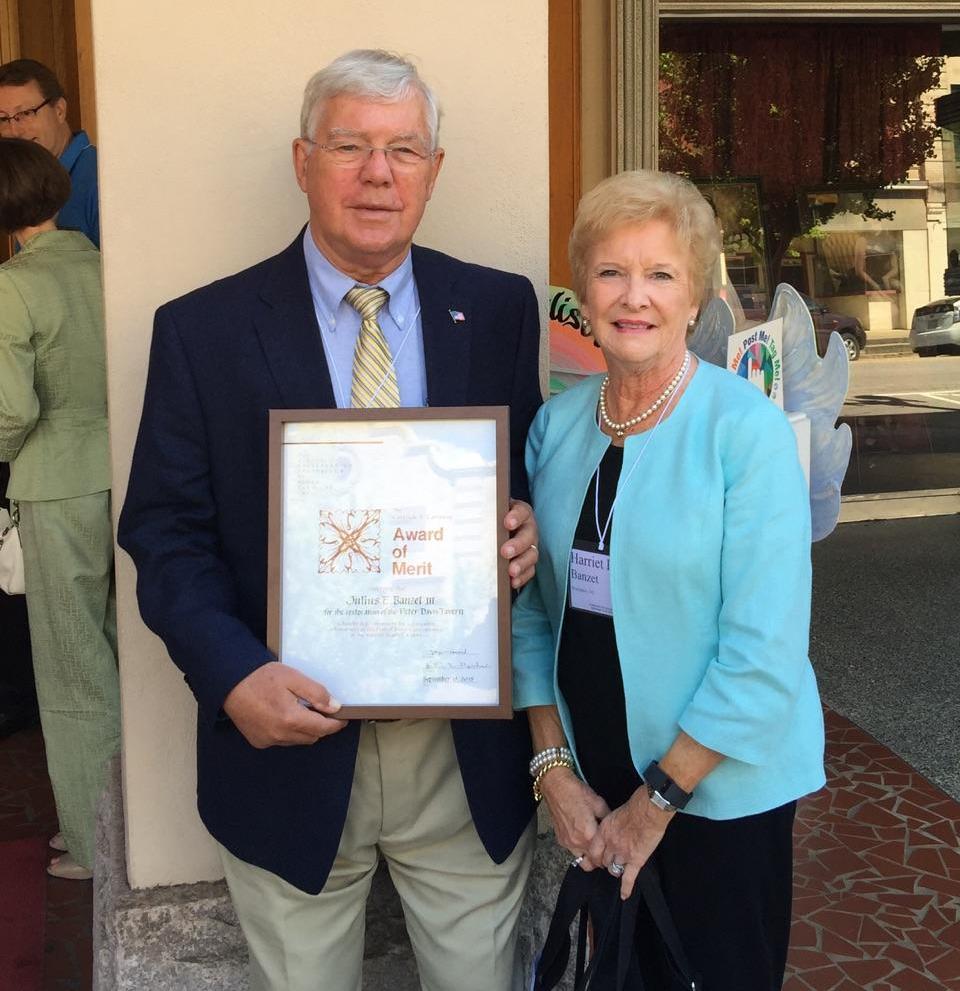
x=877 y=879
x=877 y=876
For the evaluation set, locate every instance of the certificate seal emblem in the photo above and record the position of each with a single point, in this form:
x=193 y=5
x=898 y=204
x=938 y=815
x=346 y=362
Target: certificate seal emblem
x=349 y=541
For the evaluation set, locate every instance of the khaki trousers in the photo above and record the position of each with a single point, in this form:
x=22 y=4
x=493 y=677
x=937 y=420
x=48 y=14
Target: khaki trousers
x=462 y=910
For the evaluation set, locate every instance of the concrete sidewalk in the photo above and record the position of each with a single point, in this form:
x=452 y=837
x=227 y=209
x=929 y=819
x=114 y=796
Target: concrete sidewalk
x=885 y=636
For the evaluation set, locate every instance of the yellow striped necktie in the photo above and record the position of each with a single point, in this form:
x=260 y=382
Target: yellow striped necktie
x=374 y=378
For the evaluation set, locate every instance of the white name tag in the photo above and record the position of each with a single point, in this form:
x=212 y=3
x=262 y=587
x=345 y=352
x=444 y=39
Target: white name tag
x=590 y=581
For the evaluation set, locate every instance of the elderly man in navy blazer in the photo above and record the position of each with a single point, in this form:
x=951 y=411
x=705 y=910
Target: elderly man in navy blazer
x=299 y=801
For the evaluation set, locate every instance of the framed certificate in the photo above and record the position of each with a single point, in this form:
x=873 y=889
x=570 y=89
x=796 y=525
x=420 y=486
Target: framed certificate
x=385 y=581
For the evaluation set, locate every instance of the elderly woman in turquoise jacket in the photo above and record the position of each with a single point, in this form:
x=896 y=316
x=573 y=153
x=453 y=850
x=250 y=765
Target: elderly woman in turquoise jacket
x=661 y=649
x=53 y=431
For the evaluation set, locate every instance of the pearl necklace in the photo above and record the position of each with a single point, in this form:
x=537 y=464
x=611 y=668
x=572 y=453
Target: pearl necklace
x=621 y=428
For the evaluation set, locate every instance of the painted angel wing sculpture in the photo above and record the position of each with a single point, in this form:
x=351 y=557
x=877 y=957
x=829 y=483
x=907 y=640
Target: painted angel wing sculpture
x=816 y=386
x=812 y=385
x=709 y=338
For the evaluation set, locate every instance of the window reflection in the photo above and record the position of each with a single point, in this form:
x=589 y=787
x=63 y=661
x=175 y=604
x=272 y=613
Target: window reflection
x=831 y=167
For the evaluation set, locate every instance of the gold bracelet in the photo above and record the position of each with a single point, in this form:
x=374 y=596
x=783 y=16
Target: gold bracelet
x=559 y=762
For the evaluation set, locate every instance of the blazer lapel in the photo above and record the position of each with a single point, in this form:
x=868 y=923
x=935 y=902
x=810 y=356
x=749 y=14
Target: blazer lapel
x=446 y=317
x=289 y=335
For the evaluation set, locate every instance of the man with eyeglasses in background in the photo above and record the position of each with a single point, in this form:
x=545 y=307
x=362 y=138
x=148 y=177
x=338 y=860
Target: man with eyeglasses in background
x=32 y=106
x=299 y=801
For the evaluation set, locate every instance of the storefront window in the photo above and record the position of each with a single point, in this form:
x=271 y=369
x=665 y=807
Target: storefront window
x=819 y=148
x=855 y=264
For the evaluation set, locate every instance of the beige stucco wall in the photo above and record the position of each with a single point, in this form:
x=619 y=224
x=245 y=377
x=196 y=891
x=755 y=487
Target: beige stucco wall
x=924 y=259
x=197 y=105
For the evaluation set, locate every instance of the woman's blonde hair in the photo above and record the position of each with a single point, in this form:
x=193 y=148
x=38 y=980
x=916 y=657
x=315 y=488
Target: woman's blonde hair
x=634 y=198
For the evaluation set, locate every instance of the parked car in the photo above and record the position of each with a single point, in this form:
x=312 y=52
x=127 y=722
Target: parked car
x=935 y=328
x=824 y=322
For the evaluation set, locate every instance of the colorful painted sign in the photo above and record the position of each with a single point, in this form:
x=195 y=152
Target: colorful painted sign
x=755 y=355
x=570 y=350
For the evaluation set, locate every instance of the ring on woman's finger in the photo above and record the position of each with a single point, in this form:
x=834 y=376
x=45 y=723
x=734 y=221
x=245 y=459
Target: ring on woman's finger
x=577 y=861
x=616 y=869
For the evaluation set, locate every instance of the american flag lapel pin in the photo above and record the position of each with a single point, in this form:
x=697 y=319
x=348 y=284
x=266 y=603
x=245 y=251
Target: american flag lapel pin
x=457 y=316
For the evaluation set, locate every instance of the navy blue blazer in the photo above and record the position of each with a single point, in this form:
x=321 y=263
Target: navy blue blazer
x=194 y=522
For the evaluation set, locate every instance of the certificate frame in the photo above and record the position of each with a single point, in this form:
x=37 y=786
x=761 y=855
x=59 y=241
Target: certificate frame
x=364 y=426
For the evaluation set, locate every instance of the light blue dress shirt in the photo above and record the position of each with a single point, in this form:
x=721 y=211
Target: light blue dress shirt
x=340 y=325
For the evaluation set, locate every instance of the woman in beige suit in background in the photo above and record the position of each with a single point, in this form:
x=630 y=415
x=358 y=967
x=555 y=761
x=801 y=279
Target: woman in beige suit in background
x=53 y=431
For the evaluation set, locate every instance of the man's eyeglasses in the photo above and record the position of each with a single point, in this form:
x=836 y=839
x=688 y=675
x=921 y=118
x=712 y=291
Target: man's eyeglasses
x=351 y=154
x=23 y=115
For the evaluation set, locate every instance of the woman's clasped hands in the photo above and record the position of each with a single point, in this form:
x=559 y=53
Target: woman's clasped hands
x=619 y=841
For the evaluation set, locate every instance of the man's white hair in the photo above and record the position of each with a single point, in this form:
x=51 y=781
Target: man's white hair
x=371 y=73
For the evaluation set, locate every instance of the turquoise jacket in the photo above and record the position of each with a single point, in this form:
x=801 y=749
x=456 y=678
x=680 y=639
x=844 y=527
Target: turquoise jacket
x=710 y=580
x=53 y=380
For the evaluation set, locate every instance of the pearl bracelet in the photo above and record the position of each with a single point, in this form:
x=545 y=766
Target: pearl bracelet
x=545 y=756
x=549 y=766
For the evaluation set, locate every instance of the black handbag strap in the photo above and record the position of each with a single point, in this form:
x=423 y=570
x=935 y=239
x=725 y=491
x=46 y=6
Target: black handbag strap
x=622 y=919
x=595 y=896
x=572 y=900
x=579 y=963
x=612 y=921
x=628 y=927
x=648 y=882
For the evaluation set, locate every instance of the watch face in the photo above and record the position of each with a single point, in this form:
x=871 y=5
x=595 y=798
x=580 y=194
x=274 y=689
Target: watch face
x=658 y=800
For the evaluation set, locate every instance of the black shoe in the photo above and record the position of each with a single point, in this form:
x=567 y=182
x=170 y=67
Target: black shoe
x=14 y=718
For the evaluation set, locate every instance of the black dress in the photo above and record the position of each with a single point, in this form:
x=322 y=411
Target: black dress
x=588 y=666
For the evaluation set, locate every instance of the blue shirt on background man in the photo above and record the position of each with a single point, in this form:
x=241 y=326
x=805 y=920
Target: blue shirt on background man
x=82 y=211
